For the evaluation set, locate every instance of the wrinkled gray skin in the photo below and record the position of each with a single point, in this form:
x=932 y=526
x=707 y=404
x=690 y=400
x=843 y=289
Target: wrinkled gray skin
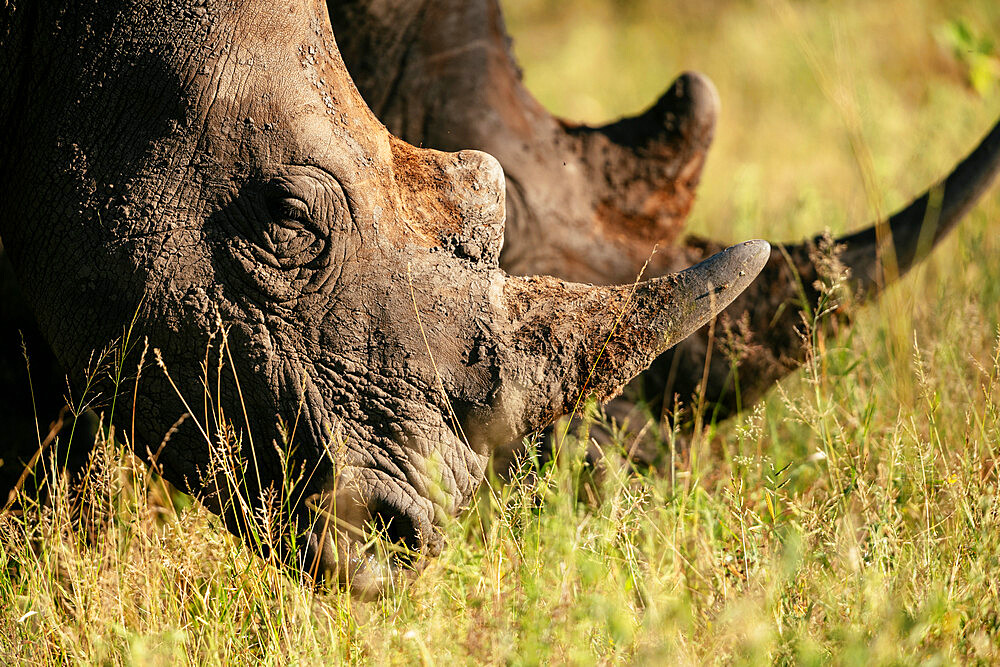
x=203 y=163
x=591 y=203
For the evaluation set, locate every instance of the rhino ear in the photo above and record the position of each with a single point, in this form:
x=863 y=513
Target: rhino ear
x=652 y=162
x=681 y=122
x=572 y=340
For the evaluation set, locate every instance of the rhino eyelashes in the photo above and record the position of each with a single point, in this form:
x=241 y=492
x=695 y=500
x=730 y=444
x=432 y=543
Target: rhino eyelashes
x=283 y=230
x=289 y=208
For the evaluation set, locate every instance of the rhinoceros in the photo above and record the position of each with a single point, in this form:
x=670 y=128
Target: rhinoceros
x=310 y=297
x=590 y=204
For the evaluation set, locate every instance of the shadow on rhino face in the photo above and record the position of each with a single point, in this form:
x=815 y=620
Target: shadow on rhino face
x=36 y=420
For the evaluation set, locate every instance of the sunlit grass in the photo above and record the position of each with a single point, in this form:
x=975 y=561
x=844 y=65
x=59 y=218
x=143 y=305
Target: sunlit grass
x=836 y=521
x=854 y=515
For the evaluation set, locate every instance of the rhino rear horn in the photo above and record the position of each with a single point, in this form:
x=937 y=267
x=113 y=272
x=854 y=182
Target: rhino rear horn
x=574 y=340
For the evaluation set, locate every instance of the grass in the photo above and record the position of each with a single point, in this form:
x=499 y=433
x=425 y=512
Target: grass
x=854 y=516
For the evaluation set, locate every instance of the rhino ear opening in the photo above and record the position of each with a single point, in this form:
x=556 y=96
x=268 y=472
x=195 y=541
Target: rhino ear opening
x=652 y=162
x=573 y=341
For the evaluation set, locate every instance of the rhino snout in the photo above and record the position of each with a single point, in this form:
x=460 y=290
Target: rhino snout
x=365 y=538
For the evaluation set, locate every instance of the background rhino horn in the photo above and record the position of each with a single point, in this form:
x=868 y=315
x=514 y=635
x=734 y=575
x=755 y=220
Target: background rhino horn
x=771 y=308
x=573 y=341
x=884 y=251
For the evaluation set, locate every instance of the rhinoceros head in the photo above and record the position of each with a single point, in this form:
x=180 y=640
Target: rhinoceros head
x=324 y=299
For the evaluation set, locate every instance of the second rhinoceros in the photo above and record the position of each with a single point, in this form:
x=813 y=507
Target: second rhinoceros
x=592 y=203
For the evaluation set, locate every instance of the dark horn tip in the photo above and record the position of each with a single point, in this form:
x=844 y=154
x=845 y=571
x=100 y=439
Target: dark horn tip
x=711 y=285
x=915 y=230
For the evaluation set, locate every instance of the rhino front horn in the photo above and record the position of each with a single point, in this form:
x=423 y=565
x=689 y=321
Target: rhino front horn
x=571 y=340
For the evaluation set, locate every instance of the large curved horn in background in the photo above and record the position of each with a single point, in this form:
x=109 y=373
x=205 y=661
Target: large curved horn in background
x=875 y=257
x=915 y=230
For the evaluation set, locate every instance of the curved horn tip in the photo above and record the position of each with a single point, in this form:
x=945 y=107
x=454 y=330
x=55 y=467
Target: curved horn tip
x=754 y=251
x=914 y=233
x=561 y=325
x=735 y=267
x=710 y=286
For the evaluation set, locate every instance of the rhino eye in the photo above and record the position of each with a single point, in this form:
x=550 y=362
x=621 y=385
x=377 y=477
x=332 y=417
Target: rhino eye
x=290 y=235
